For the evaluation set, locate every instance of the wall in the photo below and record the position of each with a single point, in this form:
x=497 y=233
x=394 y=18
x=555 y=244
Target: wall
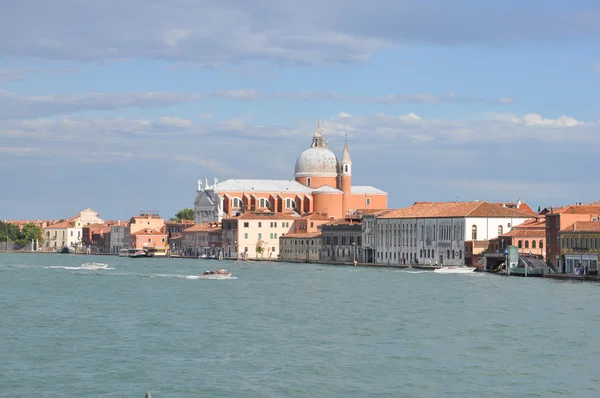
x=329 y=203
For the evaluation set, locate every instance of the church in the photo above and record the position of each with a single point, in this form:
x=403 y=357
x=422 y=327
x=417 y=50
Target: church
x=322 y=185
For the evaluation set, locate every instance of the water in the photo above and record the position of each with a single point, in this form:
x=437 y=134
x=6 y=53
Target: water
x=288 y=330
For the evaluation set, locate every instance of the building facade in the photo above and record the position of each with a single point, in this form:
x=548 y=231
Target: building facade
x=202 y=239
x=439 y=232
x=341 y=241
x=119 y=238
x=580 y=247
x=254 y=235
x=61 y=235
x=300 y=247
x=322 y=184
x=529 y=238
x=560 y=218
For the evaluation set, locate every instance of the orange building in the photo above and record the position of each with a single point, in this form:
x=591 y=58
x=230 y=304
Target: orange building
x=322 y=184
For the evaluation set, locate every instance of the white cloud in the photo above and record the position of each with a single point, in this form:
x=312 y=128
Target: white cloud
x=174 y=36
x=314 y=31
x=533 y=119
x=17 y=106
x=174 y=121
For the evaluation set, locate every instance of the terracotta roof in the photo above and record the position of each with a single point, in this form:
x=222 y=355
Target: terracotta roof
x=369 y=212
x=582 y=226
x=61 y=225
x=580 y=209
x=343 y=221
x=147 y=231
x=183 y=222
x=526 y=233
x=308 y=235
x=518 y=206
x=455 y=209
x=314 y=217
x=204 y=227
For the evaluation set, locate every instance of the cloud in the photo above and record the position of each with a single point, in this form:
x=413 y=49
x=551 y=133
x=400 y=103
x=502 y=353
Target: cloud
x=314 y=31
x=17 y=106
x=411 y=156
x=533 y=119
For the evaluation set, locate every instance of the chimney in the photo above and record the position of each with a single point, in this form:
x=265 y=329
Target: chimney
x=519 y=203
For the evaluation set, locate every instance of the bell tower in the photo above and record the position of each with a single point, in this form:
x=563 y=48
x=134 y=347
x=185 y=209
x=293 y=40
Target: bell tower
x=346 y=178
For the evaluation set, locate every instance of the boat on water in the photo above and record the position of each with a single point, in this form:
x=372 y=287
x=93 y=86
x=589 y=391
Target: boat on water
x=455 y=270
x=216 y=274
x=136 y=253
x=203 y=256
x=94 y=265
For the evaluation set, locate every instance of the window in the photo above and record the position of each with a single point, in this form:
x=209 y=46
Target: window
x=312 y=224
x=236 y=203
x=275 y=224
x=308 y=181
x=246 y=224
x=557 y=222
x=259 y=236
x=547 y=240
x=346 y=168
x=526 y=244
x=246 y=235
x=259 y=224
x=474 y=232
x=533 y=244
x=368 y=199
x=262 y=202
x=500 y=230
x=290 y=203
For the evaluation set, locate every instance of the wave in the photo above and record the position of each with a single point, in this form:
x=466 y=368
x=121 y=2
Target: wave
x=91 y=268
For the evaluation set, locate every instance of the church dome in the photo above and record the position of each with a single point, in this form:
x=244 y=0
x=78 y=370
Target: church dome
x=317 y=162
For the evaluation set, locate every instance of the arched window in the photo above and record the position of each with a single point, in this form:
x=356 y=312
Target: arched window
x=474 y=232
x=533 y=244
x=262 y=202
x=500 y=230
x=526 y=244
x=308 y=181
x=346 y=168
x=520 y=244
x=541 y=244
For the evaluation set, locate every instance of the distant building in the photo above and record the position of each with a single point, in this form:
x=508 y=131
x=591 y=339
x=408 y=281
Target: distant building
x=323 y=184
x=146 y=221
x=201 y=239
x=119 y=237
x=449 y=233
x=304 y=246
x=341 y=241
x=85 y=217
x=148 y=239
x=560 y=218
x=528 y=237
x=255 y=235
x=580 y=247
x=60 y=235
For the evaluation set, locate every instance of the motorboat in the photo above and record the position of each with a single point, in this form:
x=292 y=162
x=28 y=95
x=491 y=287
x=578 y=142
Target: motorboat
x=459 y=269
x=137 y=253
x=203 y=256
x=94 y=265
x=216 y=274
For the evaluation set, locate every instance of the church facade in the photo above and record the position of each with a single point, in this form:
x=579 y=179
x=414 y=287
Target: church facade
x=322 y=184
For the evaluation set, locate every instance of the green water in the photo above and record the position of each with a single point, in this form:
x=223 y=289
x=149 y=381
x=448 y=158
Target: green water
x=288 y=330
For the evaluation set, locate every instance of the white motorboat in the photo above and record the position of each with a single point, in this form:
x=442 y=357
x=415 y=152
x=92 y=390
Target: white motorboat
x=216 y=274
x=94 y=265
x=455 y=270
x=203 y=256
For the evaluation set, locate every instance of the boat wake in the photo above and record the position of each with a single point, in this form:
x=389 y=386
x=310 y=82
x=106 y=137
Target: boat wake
x=88 y=267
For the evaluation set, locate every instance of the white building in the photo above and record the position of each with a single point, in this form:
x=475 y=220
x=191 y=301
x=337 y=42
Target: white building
x=243 y=235
x=436 y=232
x=86 y=217
x=60 y=235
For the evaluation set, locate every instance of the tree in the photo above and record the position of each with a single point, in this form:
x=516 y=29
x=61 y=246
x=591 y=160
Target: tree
x=184 y=214
x=260 y=248
x=8 y=230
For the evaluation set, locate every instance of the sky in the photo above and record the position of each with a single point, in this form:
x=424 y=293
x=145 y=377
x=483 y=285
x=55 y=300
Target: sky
x=122 y=106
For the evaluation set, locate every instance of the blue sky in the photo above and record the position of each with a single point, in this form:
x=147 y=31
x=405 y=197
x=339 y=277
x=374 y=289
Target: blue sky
x=123 y=105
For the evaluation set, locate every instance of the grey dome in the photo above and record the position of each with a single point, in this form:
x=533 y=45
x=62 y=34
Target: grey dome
x=317 y=162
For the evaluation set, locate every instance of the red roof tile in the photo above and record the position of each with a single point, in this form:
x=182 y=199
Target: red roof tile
x=455 y=209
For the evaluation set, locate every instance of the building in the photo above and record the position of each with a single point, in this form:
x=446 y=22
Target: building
x=322 y=184
x=146 y=220
x=369 y=235
x=202 y=239
x=85 y=217
x=63 y=234
x=560 y=218
x=442 y=232
x=341 y=241
x=528 y=237
x=255 y=235
x=304 y=246
x=580 y=247
x=92 y=238
x=149 y=239
x=119 y=237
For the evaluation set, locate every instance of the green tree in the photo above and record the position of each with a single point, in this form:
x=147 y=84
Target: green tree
x=260 y=248
x=31 y=232
x=184 y=214
x=8 y=230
